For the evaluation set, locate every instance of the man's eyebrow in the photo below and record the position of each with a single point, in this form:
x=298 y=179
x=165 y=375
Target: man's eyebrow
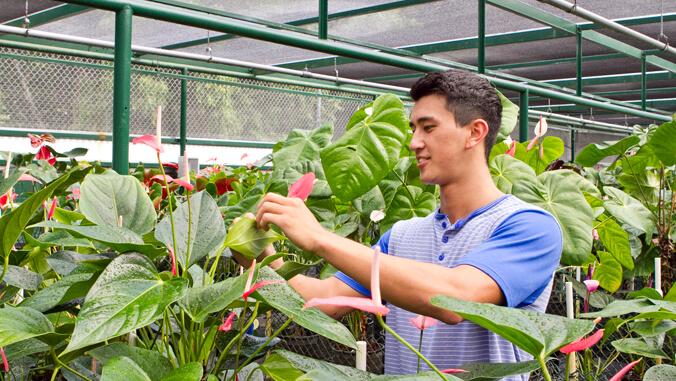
x=420 y=120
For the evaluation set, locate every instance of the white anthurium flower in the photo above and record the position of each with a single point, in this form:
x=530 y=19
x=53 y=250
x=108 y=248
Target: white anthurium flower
x=369 y=111
x=377 y=215
x=541 y=127
x=508 y=141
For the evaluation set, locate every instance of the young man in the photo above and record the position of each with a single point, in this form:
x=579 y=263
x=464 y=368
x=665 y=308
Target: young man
x=480 y=245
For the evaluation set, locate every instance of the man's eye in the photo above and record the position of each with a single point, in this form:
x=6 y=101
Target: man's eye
x=428 y=127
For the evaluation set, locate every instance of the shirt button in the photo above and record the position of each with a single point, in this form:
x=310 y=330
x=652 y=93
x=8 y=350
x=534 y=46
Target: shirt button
x=441 y=257
x=444 y=240
x=443 y=225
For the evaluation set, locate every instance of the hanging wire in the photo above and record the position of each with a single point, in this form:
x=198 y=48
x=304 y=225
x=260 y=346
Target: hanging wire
x=549 y=105
x=662 y=35
x=26 y=21
x=591 y=114
x=335 y=66
x=208 y=49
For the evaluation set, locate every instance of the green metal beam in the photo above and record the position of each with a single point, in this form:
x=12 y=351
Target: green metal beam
x=615 y=78
x=535 y=14
x=481 y=59
x=578 y=62
x=523 y=116
x=323 y=27
x=557 y=61
x=48 y=15
x=184 y=111
x=121 y=89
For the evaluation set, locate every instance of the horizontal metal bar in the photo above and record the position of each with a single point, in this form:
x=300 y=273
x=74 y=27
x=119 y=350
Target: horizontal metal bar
x=592 y=124
x=48 y=15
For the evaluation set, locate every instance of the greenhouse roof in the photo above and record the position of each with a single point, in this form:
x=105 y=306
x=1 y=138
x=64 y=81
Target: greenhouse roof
x=442 y=32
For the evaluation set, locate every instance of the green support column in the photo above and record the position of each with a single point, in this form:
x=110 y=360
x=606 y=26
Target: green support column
x=482 y=37
x=644 y=81
x=184 y=111
x=121 y=89
x=578 y=61
x=323 y=19
x=523 y=116
x=572 y=145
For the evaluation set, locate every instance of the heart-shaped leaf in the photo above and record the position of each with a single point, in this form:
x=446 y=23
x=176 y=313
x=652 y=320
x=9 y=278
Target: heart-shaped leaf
x=21 y=323
x=201 y=301
x=584 y=185
x=63 y=262
x=249 y=241
x=152 y=363
x=408 y=202
x=73 y=286
x=62 y=238
x=551 y=148
x=198 y=229
x=538 y=334
x=247 y=204
x=616 y=240
x=623 y=307
x=609 y=272
x=555 y=194
x=629 y=211
x=284 y=365
x=191 y=371
x=367 y=152
x=23 y=278
x=660 y=372
x=638 y=347
x=107 y=197
x=129 y=294
x=594 y=153
x=663 y=144
x=643 y=185
x=303 y=145
x=124 y=369
x=295 y=171
x=507 y=170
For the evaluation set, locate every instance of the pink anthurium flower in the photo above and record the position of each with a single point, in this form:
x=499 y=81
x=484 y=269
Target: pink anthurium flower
x=51 y=209
x=212 y=159
x=174 y=270
x=624 y=370
x=26 y=177
x=184 y=184
x=592 y=285
x=373 y=305
x=540 y=130
x=45 y=154
x=150 y=141
x=172 y=165
x=75 y=194
x=4 y=360
x=421 y=322
x=259 y=285
x=454 y=371
x=249 y=165
x=244 y=156
x=581 y=343
x=595 y=234
x=512 y=149
x=227 y=324
x=160 y=178
x=303 y=187
x=36 y=141
x=5 y=199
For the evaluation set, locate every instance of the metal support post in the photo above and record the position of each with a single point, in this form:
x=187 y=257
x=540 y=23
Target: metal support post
x=184 y=111
x=644 y=81
x=572 y=145
x=323 y=19
x=482 y=37
x=523 y=116
x=121 y=89
x=578 y=61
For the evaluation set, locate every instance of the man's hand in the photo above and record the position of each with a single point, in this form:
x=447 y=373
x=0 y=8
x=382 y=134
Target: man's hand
x=294 y=218
x=246 y=263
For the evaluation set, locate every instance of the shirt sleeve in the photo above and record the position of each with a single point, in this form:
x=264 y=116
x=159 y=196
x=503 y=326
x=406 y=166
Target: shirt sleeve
x=383 y=242
x=521 y=255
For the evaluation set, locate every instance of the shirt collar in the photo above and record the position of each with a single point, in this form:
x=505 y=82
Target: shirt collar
x=460 y=223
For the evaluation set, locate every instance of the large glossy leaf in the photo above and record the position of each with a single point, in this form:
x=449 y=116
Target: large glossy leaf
x=24 y=348
x=510 y=114
x=623 y=307
x=595 y=152
x=643 y=185
x=73 y=286
x=616 y=240
x=638 y=347
x=661 y=372
x=629 y=211
x=198 y=229
x=152 y=363
x=303 y=145
x=583 y=184
x=13 y=223
x=63 y=262
x=555 y=194
x=663 y=143
x=199 y=302
x=408 y=202
x=370 y=201
x=366 y=153
x=286 y=300
x=552 y=148
x=61 y=238
x=520 y=152
x=107 y=197
x=285 y=365
x=21 y=323
x=536 y=333
x=249 y=241
x=609 y=272
x=129 y=294
x=483 y=371
x=7 y=183
x=247 y=204
x=124 y=369
x=23 y=278
x=506 y=170
x=116 y=238
x=191 y=371
x=295 y=171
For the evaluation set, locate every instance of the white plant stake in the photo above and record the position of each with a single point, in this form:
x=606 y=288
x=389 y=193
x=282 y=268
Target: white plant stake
x=570 y=313
x=658 y=276
x=361 y=355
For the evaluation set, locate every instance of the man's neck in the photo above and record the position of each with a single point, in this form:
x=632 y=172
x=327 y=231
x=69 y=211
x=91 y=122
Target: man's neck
x=460 y=199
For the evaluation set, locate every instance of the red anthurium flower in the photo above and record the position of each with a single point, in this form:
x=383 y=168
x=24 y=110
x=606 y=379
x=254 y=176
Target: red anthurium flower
x=512 y=149
x=4 y=360
x=184 y=184
x=259 y=285
x=36 y=141
x=421 y=322
x=172 y=165
x=374 y=304
x=51 y=209
x=173 y=261
x=592 y=285
x=5 y=199
x=212 y=159
x=224 y=184
x=581 y=343
x=227 y=324
x=45 y=154
x=454 y=371
x=160 y=179
x=26 y=177
x=150 y=141
x=303 y=187
x=75 y=194
x=624 y=370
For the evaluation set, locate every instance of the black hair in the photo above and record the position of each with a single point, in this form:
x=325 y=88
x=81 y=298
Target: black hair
x=468 y=97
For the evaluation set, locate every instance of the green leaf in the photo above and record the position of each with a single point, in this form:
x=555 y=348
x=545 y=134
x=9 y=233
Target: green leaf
x=123 y=369
x=643 y=185
x=609 y=272
x=552 y=149
x=408 y=202
x=616 y=240
x=284 y=365
x=151 y=362
x=24 y=348
x=537 y=334
x=129 y=294
x=62 y=238
x=645 y=292
x=21 y=323
x=287 y=301
x=13 y=223
x=70 y=287
x=370 y=201
x=594 y=152
x=247 y=204
x=249 y=241
x=303 y=145
x=198 y=227
x=23 y=278
x=280 y=369
x=583 y=184
x=366 y=153
x=638 y=347
x=510 y=114
x=597 y=299
x=191 y=371
x=63 y=262
x=661 y=372
x=558 y=196
x=483 y=371
x=295 y=171
x=663 y=143
x=201 y=301
x=116 y=238
x=500 y=148
x=628 y=210
x=506 y=170
x=107 y=197
x=644 y=158
x=9 y=182
x=623 y=307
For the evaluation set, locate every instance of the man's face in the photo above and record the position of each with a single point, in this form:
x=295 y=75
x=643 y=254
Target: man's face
x=438 y=143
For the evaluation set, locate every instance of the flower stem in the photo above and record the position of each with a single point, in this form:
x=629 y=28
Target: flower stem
x=545 y=372
x=187 y=247
x=61 y=364
x=419 y=348
x=236 y=338
x=253 y=355
x=388 y=329
x=4 y=270
x=171 y=212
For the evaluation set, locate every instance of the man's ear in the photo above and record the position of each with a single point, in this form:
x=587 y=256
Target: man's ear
x=478 y=129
